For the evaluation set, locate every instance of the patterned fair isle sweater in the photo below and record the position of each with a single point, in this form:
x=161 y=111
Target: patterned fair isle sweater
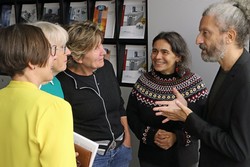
x=154 y=86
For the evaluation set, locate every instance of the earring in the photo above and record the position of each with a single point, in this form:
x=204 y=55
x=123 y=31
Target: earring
x=177 y=67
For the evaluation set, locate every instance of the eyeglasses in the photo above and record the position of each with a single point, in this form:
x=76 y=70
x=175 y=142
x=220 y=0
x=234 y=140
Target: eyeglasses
x=53 y=49
x=64 y=49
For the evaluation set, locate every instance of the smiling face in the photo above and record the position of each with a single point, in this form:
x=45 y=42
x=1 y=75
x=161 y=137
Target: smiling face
x=92 y=60
x=163 y=59
x=211 y=40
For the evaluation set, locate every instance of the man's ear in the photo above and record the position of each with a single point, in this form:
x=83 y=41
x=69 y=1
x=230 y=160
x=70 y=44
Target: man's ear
x=231 y=36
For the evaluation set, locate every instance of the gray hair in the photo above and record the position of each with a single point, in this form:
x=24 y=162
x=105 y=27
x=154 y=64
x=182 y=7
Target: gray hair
x=232 y=14
x=55 y=33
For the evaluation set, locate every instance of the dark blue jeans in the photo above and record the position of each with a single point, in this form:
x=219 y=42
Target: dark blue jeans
x=119 y=157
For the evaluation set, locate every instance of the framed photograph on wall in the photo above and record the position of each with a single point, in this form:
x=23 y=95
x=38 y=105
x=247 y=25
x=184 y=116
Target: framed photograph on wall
x=78 y=11
x=133 y=24
x=134 y=64
x=51 y=12
x=104 y=16
x=28 y=13
x=8 y=15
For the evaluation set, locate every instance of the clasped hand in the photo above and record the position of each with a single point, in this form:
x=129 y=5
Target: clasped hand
x=174 y=110
x=164 y=139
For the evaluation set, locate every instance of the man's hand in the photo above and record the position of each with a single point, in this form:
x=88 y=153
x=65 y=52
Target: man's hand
x=174 y=110
x=173 y=113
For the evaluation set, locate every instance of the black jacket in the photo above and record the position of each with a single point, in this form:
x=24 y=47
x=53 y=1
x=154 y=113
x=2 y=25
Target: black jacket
x=96 y=102
x=225 y=133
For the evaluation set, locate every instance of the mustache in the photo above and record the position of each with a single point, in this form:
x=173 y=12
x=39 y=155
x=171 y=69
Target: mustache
x=202 y=46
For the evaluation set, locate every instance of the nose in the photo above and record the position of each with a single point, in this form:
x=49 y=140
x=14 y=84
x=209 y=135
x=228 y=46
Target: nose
x=68 y=52
x=199 y=39
x=158 y=55
x=103 y=50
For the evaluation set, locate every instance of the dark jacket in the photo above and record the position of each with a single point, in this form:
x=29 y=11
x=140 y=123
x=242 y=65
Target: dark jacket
x=96 y=102
x=225 y=133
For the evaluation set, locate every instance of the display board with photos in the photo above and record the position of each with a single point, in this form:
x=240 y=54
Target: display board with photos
x=123 y=23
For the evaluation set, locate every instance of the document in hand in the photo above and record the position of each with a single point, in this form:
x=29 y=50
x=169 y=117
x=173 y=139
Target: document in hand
x=86 y=148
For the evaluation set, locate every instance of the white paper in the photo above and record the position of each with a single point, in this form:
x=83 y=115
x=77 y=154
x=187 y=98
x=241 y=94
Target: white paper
x=13 y=15
x=87 y=144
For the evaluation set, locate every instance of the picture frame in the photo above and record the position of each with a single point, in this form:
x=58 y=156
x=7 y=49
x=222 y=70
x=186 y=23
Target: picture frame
x=104 y=16
x=8 y=15
x=51 y=12
x=133 y=23
x=78 y=11
x=134 y=63
x=28 y=13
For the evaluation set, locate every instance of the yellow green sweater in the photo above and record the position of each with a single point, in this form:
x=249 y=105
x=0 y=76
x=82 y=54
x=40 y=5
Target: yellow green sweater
x=36 y=128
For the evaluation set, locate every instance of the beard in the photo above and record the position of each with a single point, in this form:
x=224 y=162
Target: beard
x=214 y=53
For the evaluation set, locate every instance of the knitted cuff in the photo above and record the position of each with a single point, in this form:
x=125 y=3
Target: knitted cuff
x=187 y=138
x=145 y=134
x=149 y=135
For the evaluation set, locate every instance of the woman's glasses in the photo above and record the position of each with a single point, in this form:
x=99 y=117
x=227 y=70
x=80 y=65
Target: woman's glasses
x=64 y=49
x=54 y=48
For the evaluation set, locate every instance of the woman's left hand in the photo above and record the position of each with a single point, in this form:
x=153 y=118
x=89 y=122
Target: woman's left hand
x=164 y=139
